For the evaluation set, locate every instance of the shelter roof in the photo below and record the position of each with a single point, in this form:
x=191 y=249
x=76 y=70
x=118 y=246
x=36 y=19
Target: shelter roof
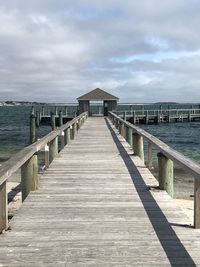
x=97 y=94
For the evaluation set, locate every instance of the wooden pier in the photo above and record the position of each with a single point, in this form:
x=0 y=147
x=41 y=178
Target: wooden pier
x=97 y=204
x=160 y=116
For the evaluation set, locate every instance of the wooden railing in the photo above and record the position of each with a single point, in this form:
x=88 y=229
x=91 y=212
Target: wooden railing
x=27 y=160
x=169 y=114
x=166 y=157
x=154 y=112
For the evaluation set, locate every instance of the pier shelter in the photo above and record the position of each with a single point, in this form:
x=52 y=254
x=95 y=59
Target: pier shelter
x=109 y=101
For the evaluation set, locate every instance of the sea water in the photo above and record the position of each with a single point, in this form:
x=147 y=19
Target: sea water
x=14 y=130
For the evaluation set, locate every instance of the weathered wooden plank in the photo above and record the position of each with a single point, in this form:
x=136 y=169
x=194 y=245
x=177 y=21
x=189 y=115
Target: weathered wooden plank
x=3 y=207
x=94 y=209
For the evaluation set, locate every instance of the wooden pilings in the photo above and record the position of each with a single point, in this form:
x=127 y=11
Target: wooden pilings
x=60 y=118
x=3 y=207
x=67 y=136
x=149 y=156
x=138 y=146
x=32 y=129
x=165 y=174
x=53 y=149
x=53 y=121
x=29 y=176
x=197 y=204
x=46 y=156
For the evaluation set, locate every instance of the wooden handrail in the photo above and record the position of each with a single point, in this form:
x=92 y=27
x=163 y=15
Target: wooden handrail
x=27 y=160
x=166 y=153
x=160 y=110
x=16 y=161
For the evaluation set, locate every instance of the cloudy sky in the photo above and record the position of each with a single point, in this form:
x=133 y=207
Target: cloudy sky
x=138 y=50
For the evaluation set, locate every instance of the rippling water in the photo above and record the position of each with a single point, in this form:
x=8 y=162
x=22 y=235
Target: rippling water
x=14 y=130
x=183 y=137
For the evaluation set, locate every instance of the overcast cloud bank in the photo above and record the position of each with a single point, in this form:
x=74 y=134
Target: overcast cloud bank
x=140 y=51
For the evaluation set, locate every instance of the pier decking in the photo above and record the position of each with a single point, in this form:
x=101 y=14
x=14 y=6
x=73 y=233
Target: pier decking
x=95 y=207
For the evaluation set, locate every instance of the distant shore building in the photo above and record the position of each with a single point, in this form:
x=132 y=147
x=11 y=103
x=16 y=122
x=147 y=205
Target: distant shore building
x=109 y=101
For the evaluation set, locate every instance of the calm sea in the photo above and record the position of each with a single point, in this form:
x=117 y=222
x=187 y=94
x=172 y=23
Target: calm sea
x=14 y=130
x=14 y=133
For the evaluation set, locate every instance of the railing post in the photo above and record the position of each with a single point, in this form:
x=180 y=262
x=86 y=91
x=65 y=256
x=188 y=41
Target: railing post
x=66 y=110
x=189 y=116
x=134 y=117
x=77 y=125
x=67 y=136
x=53 y=121
x=37 y=118
x=29 y=176
x=150 y=158
x=73 y=131
x=123 y=130
x=168 y=116
x=46 y=156
x=138 y=146
x=126 y=133
x=60 y=118
x=32 y=129
x=56 y=111
x=147 y=117
x=197 y=204
x=130 y=137
x=43 y=112
x=62 y=140
x=3 y=207
x=53 y=149
x=158 y=117
x=165 y=174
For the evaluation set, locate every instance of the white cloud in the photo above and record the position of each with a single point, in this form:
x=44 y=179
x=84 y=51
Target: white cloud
x=139 y=50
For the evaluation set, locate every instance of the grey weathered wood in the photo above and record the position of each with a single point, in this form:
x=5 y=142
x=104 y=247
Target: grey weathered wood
x=62 y=140
x=16 y=161
x=94 y=208
x=66 y=110
x=53 y=121
x=3 y=207
x=53 y=149
x=32 y=129
x=165 y=174
x=138 y=146
x=67 y=136
x=197 y=203
x=29 y=176
x=56 y=111
x=60 y=118
x=149 y=156
x=43 y=111
x=73 y=130
x=37 y=118
x=46 y=156
x=130 y=138
x=187 y=164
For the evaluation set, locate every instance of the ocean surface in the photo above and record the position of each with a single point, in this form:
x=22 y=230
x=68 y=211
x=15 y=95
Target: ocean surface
x=14 y=130
x=184 y=137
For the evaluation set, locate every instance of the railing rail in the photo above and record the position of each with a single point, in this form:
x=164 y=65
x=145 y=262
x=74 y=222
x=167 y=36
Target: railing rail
x=167 y=155
x=26 y=159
